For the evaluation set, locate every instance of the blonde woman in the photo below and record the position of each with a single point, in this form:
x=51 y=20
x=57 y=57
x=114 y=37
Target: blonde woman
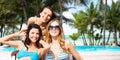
x=60 y=48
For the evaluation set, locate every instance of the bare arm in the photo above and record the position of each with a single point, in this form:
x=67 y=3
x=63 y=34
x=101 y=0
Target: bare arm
x=73 y=51
x=35 y=20
x=6 y=40
x=31 y=20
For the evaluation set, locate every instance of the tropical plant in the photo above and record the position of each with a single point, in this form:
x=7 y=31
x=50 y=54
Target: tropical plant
x=74 y=37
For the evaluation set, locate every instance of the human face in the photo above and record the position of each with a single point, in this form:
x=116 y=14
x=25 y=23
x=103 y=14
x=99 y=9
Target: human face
x=45 y=15
x=54 y=29
x=34 y=35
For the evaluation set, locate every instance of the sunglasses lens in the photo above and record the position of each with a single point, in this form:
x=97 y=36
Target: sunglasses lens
x=51 y=27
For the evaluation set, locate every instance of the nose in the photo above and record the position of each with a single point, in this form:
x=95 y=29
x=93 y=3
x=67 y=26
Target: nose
x=46 y=15
x=53 y=28
x=35 y=35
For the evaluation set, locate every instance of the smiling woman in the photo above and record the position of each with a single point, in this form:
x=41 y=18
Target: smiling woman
x=31 y=48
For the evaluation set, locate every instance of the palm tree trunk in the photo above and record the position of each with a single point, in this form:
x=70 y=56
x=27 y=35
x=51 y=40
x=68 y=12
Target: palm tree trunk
x=108 y=37
x=60 y=5
x=104 y=22
x=115 y=37
x=24 y=18
x=84 y=40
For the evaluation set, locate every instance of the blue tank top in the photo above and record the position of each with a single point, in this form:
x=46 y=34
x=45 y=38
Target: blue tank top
x=24 y=53
x=62 y=55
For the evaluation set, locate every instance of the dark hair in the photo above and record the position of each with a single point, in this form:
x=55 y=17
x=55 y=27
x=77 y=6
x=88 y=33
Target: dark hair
x=53 y=14
x=27 y=40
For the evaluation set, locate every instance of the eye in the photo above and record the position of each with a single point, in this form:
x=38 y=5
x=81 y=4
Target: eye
x=37 y=33
x=32 y=32
x=45 y=13
x=56 y=27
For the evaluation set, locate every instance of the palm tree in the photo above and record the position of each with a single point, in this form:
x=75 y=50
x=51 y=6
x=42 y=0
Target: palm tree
x=114 y=17
x=74 y=37
x=80 y=24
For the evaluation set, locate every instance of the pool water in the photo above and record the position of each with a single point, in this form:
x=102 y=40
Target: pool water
x=97 y=48
x=7 y=49
x=78 y=48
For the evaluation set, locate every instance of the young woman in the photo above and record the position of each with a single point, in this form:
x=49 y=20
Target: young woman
x=46 y=15
x=60 y=48
x=30 y=49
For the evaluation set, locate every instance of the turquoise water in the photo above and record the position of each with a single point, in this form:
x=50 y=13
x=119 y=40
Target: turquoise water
x=7 y=49
x=97 y=48
x=78 y=48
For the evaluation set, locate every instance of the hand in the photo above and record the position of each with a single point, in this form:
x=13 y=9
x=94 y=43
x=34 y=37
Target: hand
x=44 y=44
x=41 y=41
x=21 y=32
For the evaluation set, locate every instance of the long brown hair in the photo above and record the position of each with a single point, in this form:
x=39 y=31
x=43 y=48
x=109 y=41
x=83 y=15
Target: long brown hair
x=27 y=39
x=60 y=36
x=48 y=7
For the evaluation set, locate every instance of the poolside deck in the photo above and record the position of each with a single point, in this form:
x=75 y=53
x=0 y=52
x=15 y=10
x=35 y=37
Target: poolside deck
x=100 y=55
x=105 y=55
x=84 y=55
x=5 y=56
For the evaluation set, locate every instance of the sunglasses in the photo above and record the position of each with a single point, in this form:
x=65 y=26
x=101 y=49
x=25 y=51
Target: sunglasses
x=56 y=27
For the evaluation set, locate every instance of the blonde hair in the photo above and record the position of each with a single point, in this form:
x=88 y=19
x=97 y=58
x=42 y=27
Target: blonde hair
x=60 y=36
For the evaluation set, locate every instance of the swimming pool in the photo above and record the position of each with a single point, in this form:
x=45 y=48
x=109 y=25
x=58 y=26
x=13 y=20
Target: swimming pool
x=97 y=48
x=7 y=49
x=86 y=52
x=78 y=48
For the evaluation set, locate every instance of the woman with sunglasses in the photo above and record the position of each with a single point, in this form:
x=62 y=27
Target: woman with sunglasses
x=60 y=48
x=30 y=49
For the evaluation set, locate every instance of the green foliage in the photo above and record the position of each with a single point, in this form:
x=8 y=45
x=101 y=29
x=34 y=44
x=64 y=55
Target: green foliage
x=74 y=36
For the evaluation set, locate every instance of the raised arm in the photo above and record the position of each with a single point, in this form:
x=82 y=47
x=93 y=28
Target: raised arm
x=73 y=51
x=31 y=20
x=35 y=20
x=6 y=40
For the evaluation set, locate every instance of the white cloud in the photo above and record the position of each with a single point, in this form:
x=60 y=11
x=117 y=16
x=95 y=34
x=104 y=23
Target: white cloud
x=68 y=15
x=68 y=30
x=109 y=2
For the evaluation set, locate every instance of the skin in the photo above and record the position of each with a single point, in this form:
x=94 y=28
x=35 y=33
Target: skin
x=54 y=33
x=45 y=16
x=33 y=35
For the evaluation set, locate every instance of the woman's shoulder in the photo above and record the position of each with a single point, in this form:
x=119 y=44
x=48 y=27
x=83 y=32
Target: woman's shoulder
x=67 y=42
